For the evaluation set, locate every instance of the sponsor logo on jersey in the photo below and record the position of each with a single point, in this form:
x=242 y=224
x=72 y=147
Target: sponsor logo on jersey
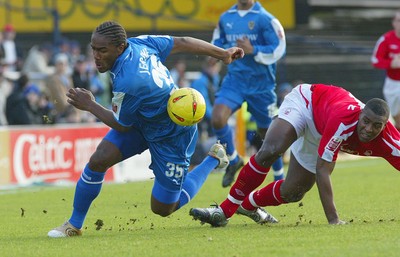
x=235 y=37
x=333 y=144
x=346 y=148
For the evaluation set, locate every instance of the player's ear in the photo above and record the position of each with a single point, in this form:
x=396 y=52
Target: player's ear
x=121 y=48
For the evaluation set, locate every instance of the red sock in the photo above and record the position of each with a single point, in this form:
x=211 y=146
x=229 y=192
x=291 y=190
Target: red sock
x=250 y=177
x=269 y=195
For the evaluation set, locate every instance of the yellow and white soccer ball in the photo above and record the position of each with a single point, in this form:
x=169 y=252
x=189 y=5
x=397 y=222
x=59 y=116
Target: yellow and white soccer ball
x=186 y=106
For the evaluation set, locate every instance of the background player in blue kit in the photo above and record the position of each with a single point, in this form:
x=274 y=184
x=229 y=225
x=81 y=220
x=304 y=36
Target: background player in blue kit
x=252 y=79
x=139 y=120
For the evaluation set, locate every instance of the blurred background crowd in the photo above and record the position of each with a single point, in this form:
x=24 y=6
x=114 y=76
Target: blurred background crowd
x=29 y=79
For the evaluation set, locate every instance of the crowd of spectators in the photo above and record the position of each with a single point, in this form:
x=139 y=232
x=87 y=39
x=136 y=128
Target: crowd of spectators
x=33 y=85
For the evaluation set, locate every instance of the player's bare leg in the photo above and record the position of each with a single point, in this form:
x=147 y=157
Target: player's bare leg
x=297 y=183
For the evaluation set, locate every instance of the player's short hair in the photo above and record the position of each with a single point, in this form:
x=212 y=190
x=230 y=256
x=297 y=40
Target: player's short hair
x=113 y=31
x=379 y=107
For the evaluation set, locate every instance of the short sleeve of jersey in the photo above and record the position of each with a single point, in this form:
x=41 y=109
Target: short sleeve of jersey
x=124 y=108
x=337 y=129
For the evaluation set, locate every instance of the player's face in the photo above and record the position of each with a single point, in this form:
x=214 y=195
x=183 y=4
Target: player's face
x=245 y=4
x=104 y=53
x=396 y=23
x=370 y=125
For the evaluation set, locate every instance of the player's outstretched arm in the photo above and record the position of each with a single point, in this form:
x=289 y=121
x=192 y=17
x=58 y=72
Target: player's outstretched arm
x=323 y=180
x=201 y=47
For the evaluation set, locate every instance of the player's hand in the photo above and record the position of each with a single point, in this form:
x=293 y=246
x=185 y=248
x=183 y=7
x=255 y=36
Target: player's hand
x=234 y=53
x=245 y=44
x=395 y=64
x=80 y=98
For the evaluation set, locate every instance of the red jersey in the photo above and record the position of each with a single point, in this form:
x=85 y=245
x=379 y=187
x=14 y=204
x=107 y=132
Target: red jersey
x=336 y=112
x=387 y=46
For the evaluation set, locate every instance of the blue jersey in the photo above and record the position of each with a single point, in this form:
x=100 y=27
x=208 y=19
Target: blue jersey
x=142 y=86
x=265 y=33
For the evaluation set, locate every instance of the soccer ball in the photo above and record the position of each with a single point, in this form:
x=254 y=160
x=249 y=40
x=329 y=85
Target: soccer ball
x=186 y=106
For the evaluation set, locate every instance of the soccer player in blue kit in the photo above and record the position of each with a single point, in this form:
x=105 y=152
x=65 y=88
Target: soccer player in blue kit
x=139 y=120
x=252 y=79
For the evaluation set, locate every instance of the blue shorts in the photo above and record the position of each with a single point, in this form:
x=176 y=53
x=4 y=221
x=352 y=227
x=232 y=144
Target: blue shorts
x=170 y=158
x=260 y=103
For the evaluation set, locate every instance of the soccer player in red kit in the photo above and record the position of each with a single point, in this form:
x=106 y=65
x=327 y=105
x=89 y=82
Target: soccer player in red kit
x=386 y=56
x=317 y=121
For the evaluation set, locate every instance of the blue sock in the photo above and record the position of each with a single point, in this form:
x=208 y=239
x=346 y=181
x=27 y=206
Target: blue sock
x=277 y=167
x=195 y=179
x=87 y=189
x=225 y=136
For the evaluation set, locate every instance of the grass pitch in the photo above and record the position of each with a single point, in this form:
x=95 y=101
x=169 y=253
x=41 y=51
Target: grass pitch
x=120 y=222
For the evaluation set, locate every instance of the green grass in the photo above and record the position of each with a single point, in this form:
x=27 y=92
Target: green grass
x=367 y=195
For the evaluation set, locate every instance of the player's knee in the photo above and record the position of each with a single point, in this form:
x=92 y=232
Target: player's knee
x=101 y=161
x=268 y=152
x=292 y=197
x=218 y=122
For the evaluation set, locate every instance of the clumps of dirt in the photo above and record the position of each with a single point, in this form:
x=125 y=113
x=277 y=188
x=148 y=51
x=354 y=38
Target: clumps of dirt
x=99 y=224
